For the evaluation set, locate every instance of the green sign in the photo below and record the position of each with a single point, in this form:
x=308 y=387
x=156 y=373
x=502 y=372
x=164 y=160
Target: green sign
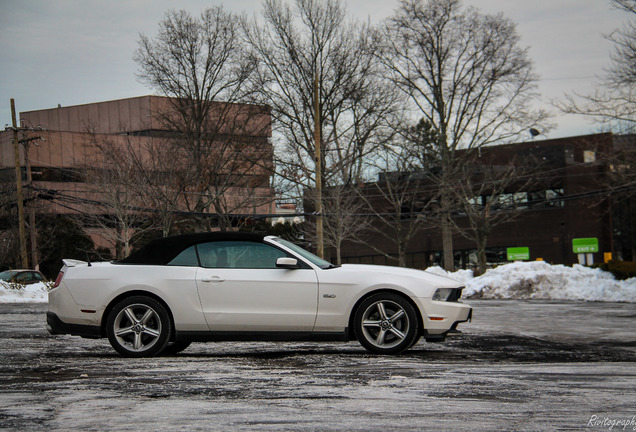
x=518 y=253
x=585 y=245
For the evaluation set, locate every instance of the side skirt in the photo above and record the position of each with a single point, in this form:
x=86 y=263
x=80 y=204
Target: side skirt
x=260 y=336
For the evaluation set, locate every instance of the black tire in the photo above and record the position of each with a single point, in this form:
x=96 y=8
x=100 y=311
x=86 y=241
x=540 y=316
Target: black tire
x=386 y=323
x=175 y=347
x=138 y=326
x=415 y=341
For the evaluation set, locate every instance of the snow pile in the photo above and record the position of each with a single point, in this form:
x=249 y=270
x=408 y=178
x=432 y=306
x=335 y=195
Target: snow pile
x=15 y=293
x=523 y=280
x=539 y=280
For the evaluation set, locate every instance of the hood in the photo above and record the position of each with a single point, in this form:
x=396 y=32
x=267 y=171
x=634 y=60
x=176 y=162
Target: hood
x=389 y=271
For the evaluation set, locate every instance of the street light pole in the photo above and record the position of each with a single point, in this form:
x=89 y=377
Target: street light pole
x=18 y=174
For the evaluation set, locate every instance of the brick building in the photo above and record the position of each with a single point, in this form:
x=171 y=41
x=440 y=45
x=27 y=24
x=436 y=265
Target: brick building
x=72 y=146
x=571 y=196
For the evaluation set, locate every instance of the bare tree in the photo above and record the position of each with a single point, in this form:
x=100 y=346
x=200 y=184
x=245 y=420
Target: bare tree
x=403 y=197
x=9 y=236
x=491 y=194
x=466 y=75
x=201 y=65
x=623 y=69
x=315 y=40
x=114 y=207
x=614 y=102
x=345 y=216
x=613 y=106
x=619 y=184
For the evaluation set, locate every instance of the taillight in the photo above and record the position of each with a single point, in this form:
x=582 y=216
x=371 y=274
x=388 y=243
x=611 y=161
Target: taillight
x=58 y=280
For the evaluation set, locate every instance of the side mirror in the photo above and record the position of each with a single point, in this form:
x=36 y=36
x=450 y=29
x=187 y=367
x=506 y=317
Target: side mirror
x=287 y=263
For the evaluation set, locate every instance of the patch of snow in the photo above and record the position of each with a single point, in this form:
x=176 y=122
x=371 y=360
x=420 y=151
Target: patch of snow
x=523 y=280
x=34 y=293
x=541 y=281
x=460 y=275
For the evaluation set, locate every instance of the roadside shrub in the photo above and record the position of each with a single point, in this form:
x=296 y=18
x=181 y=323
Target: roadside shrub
x=620 y=269
x=48 y=285
x=13 y=285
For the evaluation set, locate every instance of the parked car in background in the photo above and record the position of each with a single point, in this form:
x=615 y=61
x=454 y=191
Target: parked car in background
x=247 y=286
x=23 y=277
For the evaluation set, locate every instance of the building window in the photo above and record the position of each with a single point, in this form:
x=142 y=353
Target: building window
x=520 y=200
x=554 y=198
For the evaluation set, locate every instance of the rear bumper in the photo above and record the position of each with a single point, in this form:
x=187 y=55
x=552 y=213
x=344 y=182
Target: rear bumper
x=56 y=326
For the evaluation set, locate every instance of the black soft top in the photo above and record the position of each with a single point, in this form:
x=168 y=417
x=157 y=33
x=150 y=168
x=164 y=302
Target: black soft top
x=161 y=251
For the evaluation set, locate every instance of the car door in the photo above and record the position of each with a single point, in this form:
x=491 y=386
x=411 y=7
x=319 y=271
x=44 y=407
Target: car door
x=241 y=290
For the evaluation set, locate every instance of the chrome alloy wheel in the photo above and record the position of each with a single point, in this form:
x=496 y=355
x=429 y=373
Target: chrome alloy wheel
x=137 y=327
x=385 y=324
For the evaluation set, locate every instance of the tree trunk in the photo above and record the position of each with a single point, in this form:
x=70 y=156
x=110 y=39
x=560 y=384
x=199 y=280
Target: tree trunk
x=481 y=254
x=401 y=251
x=447 y=243
x=402 y=259
x=447 y=232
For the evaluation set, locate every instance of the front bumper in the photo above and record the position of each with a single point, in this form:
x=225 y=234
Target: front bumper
x=440 y=337
x=440 y=318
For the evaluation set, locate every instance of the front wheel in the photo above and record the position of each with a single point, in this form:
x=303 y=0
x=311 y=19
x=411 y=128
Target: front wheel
x=386 y=323
x=175 y=347
x=138 y=327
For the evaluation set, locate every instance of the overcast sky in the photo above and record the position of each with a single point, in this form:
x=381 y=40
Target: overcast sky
x=73 y=52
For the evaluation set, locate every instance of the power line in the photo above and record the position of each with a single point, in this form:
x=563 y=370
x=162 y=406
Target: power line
x=60 y=198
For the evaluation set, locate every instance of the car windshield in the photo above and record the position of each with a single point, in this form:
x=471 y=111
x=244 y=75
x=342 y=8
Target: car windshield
x=323 y=264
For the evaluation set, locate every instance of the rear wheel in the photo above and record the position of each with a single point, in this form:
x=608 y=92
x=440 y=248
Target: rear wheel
x=138 y=327
x=386 y=323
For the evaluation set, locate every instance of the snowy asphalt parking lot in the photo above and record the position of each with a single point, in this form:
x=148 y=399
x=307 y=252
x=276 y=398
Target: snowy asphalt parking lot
x=520 y=365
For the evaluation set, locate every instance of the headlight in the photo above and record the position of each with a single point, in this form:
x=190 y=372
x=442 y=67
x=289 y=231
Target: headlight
x=448 y=294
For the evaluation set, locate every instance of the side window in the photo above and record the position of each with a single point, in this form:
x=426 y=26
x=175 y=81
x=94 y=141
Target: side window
x=261 y=256
x=239 y=254
x=186 y=258
x=213 y=255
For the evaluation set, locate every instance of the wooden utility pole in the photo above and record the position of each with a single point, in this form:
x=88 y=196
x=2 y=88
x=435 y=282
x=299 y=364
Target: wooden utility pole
x=33 y=237
x=18 y=174
x=320 y=249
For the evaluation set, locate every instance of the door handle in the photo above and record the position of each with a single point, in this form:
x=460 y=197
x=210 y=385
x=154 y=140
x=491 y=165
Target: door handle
x=213 y=279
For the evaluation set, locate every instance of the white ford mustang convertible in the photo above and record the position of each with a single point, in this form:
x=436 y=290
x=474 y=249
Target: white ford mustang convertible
x=245 y=286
